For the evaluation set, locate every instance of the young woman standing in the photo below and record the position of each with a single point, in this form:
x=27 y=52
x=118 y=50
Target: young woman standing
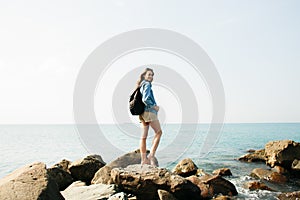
x=148 y=117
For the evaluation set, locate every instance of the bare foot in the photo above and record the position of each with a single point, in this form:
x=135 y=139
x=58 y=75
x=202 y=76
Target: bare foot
x=146 y=161
x=152 y=160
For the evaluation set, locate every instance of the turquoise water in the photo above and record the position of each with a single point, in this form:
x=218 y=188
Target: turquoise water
x=23 y=144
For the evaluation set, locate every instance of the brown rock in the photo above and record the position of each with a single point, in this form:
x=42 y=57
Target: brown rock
x=85 y=169
x=144 y=181
x=201 y=172
x=185 y=168
x=62 y=178
x=255 y=156
x=255 y=185
x=103 y=176
x=213 y=185
x=222 y=172
x=29 y=182
x=280 y=170
x=282 y=153
x=296 y=165
x=289 y=195
x=222 y=198
x=165 y=195
x=268 y=175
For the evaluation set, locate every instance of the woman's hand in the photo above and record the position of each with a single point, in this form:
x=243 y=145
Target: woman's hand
x=156 y=108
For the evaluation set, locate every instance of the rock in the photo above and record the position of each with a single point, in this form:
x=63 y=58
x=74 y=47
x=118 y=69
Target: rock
x=185 y=168
x=289 y=195
x=222 y=172
x=103 y=176
x=91 y=192
x=280 y=170
x=282 y=153
x=213 y=185
x=256 y=156
x=60 y=174
x=165 y=195
x=86 y=168
x=130 y=158
x=256 y=185
x=296 y=165
x=268 y=175
x=118 y=196
x=144 y=181
x=201 y=172
x=29 y=182
x=222 y=198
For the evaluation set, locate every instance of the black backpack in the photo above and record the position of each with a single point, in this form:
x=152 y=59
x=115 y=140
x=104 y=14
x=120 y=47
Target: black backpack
x=136 y=105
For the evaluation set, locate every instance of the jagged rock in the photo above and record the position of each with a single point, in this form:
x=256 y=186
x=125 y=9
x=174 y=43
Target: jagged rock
x=91 y=192
x=289 y=195
x=268 y=175
x=201 y=172
x=222 y=198
x=165 y=195
x=85 y=169
x=29 y=182
x=130 y=158
x=63 y=164
x=222 y=172
x=282 y=153
x=254 y=156
x=280 y=170
x=185 y=168
x=118 y=196
x=296 y=165
x=144 y=181
x=213 y=185
x=256 y=185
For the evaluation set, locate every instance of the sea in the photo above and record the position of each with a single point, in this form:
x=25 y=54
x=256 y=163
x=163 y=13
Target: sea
x=209 y=149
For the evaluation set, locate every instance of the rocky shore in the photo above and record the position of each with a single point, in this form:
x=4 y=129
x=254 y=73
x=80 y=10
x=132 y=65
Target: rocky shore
x=91 y=178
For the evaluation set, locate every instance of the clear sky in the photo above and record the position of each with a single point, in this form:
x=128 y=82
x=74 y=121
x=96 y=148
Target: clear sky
x=254 y=44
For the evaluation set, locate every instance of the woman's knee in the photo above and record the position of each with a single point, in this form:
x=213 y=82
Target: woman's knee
x=159 y=132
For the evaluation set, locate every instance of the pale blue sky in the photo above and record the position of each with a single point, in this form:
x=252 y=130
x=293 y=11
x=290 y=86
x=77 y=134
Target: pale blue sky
x=254 y=44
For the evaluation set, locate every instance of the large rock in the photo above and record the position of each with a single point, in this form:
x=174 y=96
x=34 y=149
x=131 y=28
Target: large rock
x=78 y=190
x=85 y=169
x=254 y=156
x=268 y=175
x=144 y=181
x=185 y=168
x=211 y=186
x=165 y=195
x=60 y=174
x=282 y=153
x=28 y=183
x=130 y=158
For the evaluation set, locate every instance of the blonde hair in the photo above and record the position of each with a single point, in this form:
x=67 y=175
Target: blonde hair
x=142 y=76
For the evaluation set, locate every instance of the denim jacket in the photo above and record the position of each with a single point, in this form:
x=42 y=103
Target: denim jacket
x=148 y=97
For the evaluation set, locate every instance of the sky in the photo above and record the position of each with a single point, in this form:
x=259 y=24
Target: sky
x=254 y=45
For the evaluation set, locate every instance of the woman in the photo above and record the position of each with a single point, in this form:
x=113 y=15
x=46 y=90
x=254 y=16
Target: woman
x=148 y=117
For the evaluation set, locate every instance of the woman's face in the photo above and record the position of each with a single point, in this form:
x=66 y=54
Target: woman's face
x=149 y=76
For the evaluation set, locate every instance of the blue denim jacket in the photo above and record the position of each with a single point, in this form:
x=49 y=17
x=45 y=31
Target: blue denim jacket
x=148 y=97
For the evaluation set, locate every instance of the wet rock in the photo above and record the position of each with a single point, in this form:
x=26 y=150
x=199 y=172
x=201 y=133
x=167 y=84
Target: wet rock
x=256 y=185
x=165 y=195
x=268 y=175
x=289 y=196
x=185 y=168
x=85 y=169
x=254 y=156
x=280 y=170
x=29 y=182
x=92 y=192
x=211 y=186
x=144 y=181
x=222 y=172
x=282 y=153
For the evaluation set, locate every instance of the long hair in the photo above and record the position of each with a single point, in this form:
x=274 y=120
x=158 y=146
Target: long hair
x=142 y=77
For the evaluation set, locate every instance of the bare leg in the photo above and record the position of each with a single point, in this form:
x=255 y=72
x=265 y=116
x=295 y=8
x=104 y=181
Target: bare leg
x=143 y=146
x=158 y=132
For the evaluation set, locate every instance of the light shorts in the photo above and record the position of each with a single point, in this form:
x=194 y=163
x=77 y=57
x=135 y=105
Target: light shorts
x=147 y=117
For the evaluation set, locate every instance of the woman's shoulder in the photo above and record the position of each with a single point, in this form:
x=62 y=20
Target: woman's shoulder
x=145 y=82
